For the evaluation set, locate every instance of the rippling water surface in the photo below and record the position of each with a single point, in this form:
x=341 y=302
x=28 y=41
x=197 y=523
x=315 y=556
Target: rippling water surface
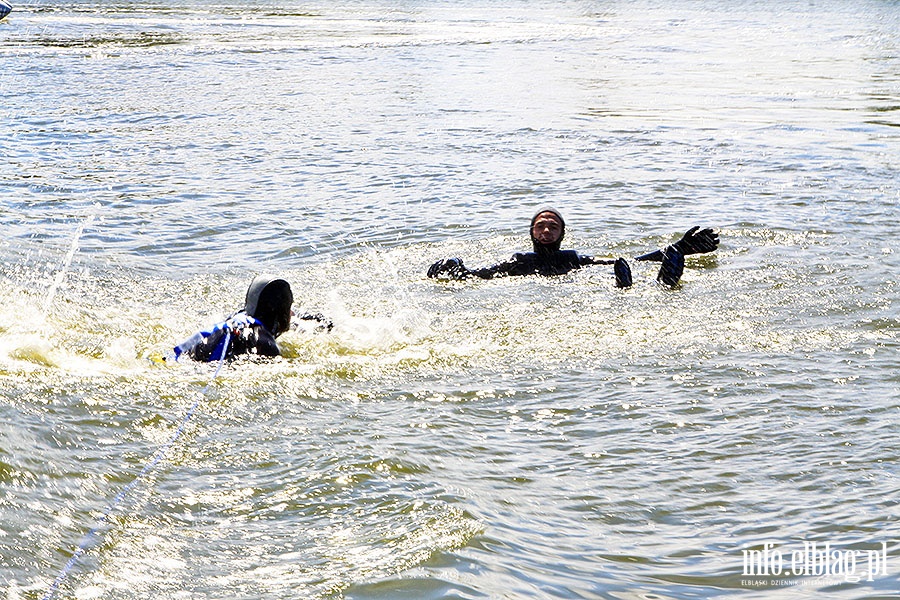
x=517 y=438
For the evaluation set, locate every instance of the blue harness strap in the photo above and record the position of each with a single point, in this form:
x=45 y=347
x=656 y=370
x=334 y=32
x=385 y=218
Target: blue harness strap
x=234 y=324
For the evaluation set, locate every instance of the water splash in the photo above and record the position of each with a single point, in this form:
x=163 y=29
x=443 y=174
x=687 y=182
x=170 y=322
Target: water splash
x=64 y=268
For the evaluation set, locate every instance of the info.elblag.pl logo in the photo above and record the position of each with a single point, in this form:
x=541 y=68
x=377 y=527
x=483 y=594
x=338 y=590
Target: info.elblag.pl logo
x=818 y=560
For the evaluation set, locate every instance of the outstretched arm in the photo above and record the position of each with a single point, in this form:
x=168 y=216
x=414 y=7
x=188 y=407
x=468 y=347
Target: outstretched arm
x=453 y=268
x=694 y=241
x=620 y=269
x=324 y=323
x=590 y=260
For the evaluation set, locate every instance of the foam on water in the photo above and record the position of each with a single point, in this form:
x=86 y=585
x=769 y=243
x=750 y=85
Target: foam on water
x=390 y=319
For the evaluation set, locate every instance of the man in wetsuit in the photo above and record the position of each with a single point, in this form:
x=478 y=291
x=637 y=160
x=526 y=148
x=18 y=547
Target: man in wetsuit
x=547 y=231
x=265 y=316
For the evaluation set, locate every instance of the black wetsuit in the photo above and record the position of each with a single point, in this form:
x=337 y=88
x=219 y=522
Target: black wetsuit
x=266 y=315
x=243 y=339
x=546 y=259
x=558 y=262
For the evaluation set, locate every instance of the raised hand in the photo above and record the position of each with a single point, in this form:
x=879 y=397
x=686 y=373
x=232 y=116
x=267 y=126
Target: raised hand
x=697 y=242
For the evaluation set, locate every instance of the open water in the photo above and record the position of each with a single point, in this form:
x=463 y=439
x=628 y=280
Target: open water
x=517 y=438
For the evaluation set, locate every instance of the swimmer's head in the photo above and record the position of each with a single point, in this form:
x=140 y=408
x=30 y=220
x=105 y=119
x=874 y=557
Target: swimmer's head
x=269 y=300
x=547 y=230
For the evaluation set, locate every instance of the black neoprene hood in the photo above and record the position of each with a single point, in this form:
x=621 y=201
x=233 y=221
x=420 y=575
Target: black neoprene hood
x=545 y=248
x=269 y=300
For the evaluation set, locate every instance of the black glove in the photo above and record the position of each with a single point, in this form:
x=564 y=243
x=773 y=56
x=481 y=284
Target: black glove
x=324 y=322
x=622 y=272
x=451 y=268
x=697 y=242
x=672 y=266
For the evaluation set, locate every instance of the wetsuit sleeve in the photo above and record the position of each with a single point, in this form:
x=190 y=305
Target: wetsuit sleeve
x=590 y=260
x=504 y=269
x=453 y=268
x=655 y=256
x=520 y=264
x=530 y=263
x=694 y=241
x=324 y=323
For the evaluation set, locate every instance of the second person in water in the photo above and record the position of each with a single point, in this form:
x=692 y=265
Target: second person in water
x=547 y=231
x=252 y=330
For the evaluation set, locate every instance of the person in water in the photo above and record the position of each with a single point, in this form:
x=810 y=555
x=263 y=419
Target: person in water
x=252 y=330
x=547 y=231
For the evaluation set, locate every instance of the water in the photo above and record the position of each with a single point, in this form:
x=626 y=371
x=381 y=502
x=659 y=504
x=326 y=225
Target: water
x=518 y=438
